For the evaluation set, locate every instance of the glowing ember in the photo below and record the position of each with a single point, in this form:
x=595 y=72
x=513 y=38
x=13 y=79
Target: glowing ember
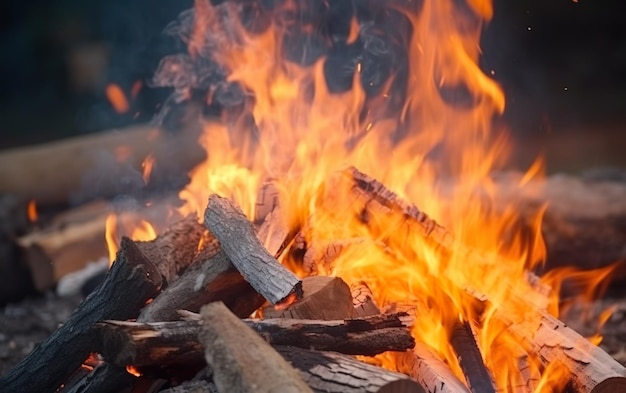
x=132 y=370
x=117 y=98
x=146 y=166
x=31 y=211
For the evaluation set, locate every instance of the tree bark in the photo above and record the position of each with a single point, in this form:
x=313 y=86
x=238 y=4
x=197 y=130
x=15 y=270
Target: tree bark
x=470 y=359
x=239 y=242
x=241 y=360
x=323 y=297
x=333 y=372
x=363 y=300
x=129 y=284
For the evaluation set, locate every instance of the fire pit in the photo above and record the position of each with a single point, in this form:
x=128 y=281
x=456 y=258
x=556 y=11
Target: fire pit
x=350 y=229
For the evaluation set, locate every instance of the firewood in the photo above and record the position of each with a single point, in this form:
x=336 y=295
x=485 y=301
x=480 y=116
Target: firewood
x=430 y=371
x=241 y=360
x=333 y=372
x=266 y=201
x=193 y=387
x=239 y=242
x=104 y=379
x=98 y=165
x=470 y=359
x=323 y=297
x=129 y=284
x=601 y=371
x=161 y=343
x=213 y=279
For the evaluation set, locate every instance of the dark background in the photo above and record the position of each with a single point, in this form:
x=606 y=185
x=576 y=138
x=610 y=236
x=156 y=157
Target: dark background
x=562 y=65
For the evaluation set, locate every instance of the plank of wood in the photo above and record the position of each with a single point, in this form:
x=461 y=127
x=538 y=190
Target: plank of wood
x=241 y=360
x=102 y=164
x=333 y=372
x=129 y=284
x=239 y=242
x=323 y=297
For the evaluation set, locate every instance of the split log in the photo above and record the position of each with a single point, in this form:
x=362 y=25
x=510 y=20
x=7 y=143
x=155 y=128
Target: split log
x=239 y=242
x=104 y=164
x=433 y=375
x=174 y=343
x=105 y=378
x=323 y=297
x=601 y=372
x=240 y=359
x=129 y=284
x=333 y=372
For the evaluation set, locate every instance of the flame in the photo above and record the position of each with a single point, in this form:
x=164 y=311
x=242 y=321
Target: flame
x=146 y=166
x=117 y=98
x=125 y=224
x=132 y=370
x=31 y=211
x=428 y=135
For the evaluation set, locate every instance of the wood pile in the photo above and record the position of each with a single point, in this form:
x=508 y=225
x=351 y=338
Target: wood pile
x=210 y=308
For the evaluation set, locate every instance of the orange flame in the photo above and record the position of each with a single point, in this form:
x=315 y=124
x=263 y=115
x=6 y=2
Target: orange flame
x=146 y=166
x=117 y=98
x=126 y=224
x=31 y=211
x=132 y=370
x=414 y=139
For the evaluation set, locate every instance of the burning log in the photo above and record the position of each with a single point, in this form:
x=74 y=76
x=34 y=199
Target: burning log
x=241 y=360
x=323 y=297
x=129 y=284
x=363 y=300
x=239 y=242
x=333 y=372
x=554 y=341
x=98 y=165
x=470 y=359
x=430 y=371
x=176 y=343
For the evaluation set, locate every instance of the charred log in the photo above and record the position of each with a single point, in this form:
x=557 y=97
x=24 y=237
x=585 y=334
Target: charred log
x=130 y=283
x=333 y=372
x=470 y=358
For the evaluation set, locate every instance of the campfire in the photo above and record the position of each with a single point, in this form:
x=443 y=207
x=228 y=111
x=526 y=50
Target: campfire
x=345 y=233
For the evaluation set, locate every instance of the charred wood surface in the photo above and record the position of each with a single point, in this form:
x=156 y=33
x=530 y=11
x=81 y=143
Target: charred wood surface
x=106 y=378
x=239 y=242
x=241 y=360
x=162 y=343
x=129 y=284
x=470 y=359
x=323 y=297
x=332 y=372
x=363 y=300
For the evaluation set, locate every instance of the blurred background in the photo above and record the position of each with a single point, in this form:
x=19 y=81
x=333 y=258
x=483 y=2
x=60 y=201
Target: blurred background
x=562 y=64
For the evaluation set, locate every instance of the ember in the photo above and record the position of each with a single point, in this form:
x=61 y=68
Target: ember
x=327 y=140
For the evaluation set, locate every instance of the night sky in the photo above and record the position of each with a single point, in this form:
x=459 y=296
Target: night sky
x=562 y=63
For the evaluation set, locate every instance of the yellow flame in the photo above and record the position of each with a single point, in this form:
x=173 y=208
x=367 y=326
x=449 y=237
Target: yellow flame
x=125 y=224
x=31 y=211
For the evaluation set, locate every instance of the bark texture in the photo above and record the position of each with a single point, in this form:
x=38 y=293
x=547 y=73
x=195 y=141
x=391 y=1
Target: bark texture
x=239 y=242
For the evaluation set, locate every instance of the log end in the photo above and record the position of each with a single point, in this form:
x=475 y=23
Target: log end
x=611 y=385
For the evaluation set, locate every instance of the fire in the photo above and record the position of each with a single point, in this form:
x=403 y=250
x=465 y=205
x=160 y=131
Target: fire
x=31 y=211
x=125 y=224
x=132 y=370
x=146 y=166
x=117 y=98
x=425 y=133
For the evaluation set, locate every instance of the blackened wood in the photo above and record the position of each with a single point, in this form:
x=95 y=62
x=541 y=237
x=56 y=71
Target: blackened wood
x=239 y=242
x=241 y=360
x=363 y=300
x=323 y=297
x=129 y=284
x=333 y=372
x=174 y=249
x=470 y=359
x=163 y=343
x=106 y=378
